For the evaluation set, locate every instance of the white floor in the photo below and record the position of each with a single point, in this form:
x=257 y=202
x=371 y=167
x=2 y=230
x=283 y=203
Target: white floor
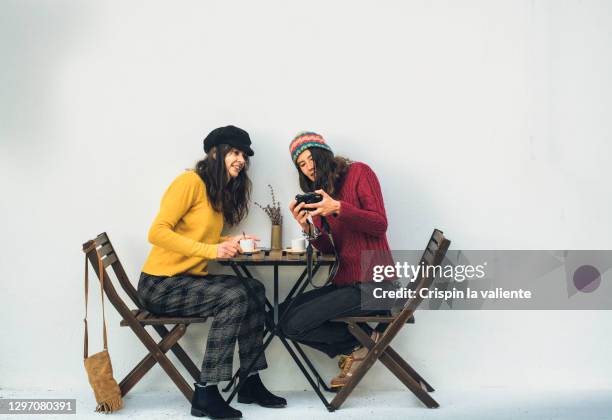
x=488 y=403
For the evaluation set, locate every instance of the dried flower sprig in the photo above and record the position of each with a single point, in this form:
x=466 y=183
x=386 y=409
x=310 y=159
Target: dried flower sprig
x=272 y=210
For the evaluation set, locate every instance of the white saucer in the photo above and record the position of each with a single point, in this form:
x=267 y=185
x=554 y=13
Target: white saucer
x=295 y=251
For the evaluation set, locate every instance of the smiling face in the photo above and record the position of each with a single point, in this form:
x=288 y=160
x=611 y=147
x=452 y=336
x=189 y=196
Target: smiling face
x=234 y=162
x=306 y=164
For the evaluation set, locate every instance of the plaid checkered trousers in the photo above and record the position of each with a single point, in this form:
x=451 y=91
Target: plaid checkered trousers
x=237 y=315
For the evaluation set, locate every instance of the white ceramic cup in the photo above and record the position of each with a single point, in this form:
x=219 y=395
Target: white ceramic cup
x=298 y=244
x=247 y=245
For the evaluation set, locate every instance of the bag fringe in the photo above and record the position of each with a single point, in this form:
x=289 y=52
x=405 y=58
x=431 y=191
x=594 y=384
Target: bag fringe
x=109 y=406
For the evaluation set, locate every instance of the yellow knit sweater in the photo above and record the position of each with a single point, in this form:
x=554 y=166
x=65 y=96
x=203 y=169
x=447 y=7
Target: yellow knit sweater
x=186 y=231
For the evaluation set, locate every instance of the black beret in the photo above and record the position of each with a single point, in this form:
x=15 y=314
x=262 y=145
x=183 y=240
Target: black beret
x=231 y=135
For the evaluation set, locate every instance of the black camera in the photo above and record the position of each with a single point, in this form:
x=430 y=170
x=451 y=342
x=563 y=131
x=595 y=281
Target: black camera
x=308 y=198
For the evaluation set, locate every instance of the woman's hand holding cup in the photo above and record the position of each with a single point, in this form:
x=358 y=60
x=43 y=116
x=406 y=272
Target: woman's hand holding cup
x=228 y=249
x=231 y=247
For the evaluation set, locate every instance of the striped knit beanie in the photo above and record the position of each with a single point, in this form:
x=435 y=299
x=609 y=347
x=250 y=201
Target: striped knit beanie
x=306 y=140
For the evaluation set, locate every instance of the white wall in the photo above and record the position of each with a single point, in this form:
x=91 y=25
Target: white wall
x=488 y=119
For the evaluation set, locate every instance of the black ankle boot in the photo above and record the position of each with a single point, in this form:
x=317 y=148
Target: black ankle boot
x=254 y=391
x=207 y=401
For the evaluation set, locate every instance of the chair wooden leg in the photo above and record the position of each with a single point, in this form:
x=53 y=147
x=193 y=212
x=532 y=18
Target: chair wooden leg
x=160 y=357
x=180 y=354
x=141 y=369
x=367 y=342
x=358 y=375
x=415 y=375
x=409 y=381
x=396 y=368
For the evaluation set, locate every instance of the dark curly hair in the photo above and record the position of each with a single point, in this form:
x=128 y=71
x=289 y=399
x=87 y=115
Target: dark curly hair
x=329 y=172
x=228 y=195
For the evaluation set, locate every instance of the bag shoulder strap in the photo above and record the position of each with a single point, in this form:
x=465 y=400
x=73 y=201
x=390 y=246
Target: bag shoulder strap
x=89 y=249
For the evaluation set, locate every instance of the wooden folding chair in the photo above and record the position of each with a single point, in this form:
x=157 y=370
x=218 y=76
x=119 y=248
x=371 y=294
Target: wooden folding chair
x=137 y=319
x=433 y=255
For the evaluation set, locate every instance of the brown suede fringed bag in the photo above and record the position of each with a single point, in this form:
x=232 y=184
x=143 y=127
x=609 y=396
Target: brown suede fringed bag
x=98 y=366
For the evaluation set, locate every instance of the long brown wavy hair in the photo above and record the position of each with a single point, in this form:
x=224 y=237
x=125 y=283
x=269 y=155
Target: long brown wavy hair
x=228 y=195
x=329 y=172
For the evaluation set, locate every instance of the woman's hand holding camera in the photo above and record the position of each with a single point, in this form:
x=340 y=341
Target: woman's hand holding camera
x=325 y=207
x=299 y=214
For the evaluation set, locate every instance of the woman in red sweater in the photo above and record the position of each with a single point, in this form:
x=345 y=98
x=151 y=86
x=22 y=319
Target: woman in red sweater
x=354 y=209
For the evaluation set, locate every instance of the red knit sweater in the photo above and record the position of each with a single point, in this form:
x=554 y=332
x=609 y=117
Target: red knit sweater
x=359 y=231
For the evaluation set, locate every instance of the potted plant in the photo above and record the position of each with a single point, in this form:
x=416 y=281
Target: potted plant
x=274 y=213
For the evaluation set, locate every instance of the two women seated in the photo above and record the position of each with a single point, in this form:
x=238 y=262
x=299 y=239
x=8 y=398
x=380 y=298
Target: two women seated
x=186 y=234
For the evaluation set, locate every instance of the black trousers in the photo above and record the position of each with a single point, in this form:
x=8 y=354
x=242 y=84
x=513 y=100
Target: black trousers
x=308 y=320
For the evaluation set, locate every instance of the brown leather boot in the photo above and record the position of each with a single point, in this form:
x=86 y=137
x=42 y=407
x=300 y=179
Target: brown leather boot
x=348 y=364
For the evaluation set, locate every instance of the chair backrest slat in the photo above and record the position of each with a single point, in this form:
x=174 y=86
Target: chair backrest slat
x=111 y=259
x=109 y=289
x=105 y=250
x=433 y=247
x=433 y=255
x=428 y=256
x=101 y=239
x=437 y=237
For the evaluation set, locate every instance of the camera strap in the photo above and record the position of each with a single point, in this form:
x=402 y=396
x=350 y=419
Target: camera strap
x=333 y=269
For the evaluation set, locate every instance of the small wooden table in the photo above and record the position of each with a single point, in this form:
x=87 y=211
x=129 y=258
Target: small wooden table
x=276 y=259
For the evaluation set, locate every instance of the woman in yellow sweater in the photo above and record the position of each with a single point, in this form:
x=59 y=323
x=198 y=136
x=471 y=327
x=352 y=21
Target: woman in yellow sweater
x=186 y=234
